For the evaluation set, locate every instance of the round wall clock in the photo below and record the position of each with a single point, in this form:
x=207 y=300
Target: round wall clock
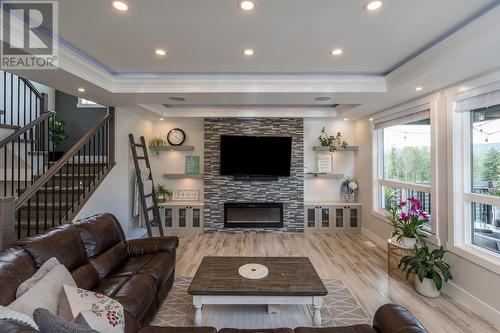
x=176 y=137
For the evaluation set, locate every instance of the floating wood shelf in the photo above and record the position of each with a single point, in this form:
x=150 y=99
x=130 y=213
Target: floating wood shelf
x=313 y=175
x=183 y=175
x=172 y=148
x=326 y=148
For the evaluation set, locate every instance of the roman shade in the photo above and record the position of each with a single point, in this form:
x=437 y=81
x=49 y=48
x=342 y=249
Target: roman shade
x=481 y=101
x=412 y=115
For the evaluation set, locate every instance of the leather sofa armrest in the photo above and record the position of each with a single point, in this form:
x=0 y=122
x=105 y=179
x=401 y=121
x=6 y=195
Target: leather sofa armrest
x=394 y=318
x=137 y=247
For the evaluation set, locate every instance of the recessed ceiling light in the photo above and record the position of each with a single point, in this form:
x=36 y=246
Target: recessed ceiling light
x=81 y=90
x=248 y=52
x=418 y=88
x=337 y=52
x=374 y=5
x=160 y=52
x=322 y=98
x=346 y=119
x=246 y=5
x=177 y=99
x=370 y=119
x=161 y=118
x=120 y=5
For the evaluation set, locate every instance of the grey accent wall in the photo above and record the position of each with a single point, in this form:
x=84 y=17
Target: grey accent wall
x=220 y=189
x=78 y=120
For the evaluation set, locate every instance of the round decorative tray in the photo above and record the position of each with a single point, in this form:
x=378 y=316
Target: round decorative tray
x=253 y=271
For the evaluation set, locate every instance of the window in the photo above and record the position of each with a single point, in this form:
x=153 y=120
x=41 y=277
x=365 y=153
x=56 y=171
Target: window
x=484 y=161
x=85 y=103
x=403 y=166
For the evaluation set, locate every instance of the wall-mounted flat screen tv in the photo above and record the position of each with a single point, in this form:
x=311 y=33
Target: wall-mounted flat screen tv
x=258 y=156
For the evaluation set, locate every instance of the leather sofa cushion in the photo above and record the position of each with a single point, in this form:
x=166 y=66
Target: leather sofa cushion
x=85 y=277
x=136 y=295
x=362 y=328
x=99 y=233
x=142 y=246
x=264 y=330
x=16 y=266
x=109 y=260
x=110 y=285
x=395 y=318
x=62 y=242
x=201 y=329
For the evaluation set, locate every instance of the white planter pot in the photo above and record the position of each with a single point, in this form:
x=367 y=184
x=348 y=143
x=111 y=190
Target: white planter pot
x=408 y=242
x=426 y=288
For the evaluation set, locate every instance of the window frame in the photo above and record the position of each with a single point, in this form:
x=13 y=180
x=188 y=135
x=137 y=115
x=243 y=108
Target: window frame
x=460 y=231
x=81 y=104
x=433 y=234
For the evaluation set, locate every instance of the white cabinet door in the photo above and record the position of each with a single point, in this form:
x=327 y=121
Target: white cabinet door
x=311 y=217
x=325 y=220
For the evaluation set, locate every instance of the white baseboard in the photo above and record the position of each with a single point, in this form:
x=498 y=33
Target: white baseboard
x=382 y=243
x=472 y=303
x=469 y=301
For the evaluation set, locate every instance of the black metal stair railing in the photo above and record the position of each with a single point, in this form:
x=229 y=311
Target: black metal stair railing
x=55 y=196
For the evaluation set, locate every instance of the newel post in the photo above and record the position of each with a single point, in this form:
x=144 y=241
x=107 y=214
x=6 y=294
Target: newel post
x=7 y=222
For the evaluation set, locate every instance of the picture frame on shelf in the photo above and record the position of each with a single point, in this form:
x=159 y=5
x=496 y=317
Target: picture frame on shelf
x=324 y=163
x=192 y=164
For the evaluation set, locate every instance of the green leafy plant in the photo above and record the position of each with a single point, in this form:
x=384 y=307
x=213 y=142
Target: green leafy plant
x=162 y=193
x=57 y=134
x=156 y=141
x=334 y=142
x=407 y=219
x=425 y=264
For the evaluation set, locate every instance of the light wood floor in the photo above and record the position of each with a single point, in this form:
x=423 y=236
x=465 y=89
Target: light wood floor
x=351 y=258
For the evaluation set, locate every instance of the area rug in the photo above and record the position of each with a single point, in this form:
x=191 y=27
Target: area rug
x=340 y=308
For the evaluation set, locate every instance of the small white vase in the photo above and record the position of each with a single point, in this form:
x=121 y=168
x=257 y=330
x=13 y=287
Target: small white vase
x=426 y=288
x=408 y=242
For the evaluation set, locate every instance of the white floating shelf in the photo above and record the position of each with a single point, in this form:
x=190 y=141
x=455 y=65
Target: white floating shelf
x=326 y=148
x=183 y=175
x=314 y=175
x=172 y=148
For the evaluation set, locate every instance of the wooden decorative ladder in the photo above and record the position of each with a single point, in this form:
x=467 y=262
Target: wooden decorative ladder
x=152 y=219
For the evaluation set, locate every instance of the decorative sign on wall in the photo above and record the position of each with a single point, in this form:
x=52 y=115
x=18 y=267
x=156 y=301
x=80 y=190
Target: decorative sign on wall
x=193 y=164
x=324 y=162
x=185 y=195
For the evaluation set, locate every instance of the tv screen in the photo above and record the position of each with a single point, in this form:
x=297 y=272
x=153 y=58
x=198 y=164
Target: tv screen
x=255 y=155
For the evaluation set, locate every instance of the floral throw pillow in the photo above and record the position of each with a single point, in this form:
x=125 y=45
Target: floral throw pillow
x=98 y=311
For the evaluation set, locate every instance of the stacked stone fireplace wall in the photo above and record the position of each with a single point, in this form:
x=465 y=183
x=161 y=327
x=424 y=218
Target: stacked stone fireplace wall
x=220 y=189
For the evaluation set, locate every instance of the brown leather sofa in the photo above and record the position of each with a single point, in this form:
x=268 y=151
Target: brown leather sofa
x=137 y=273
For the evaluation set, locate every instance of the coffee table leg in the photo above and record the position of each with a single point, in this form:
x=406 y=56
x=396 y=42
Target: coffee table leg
x=317 y=302
x=197 y=302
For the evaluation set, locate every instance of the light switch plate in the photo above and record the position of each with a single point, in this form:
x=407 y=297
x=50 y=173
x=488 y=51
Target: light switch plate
x=185 y=195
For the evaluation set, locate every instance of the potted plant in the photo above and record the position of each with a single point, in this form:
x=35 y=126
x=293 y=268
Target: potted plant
x=349 y=188
x=407 y=220
x=429 y=268
x=57 y=135
x=162 y=193
x=334 y=142
x=156 y=141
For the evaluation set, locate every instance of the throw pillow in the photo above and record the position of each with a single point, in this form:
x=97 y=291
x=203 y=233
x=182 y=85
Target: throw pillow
x=45 y=293
x=100 y=312
x=6 y=313
x=40 y=273
x=48 y=323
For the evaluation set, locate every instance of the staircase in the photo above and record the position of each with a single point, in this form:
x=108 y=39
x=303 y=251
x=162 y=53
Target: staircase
x=46 y=193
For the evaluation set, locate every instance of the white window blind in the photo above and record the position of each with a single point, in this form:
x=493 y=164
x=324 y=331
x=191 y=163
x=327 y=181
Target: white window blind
x=478 y=102
x=401 y=119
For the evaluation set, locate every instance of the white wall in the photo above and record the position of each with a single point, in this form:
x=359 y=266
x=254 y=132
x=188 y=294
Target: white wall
x=174 y=161
x=114 y=195
x=473 y=285
x=343 y=162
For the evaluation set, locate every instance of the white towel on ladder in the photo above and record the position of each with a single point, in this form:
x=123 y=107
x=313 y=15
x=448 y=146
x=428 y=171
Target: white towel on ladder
x=137 y=202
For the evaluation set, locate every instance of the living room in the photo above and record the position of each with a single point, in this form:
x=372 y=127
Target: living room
x=258 y=165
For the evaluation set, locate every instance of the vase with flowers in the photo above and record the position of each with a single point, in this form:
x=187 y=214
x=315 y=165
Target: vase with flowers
x=348 y=189
x=407 y=219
